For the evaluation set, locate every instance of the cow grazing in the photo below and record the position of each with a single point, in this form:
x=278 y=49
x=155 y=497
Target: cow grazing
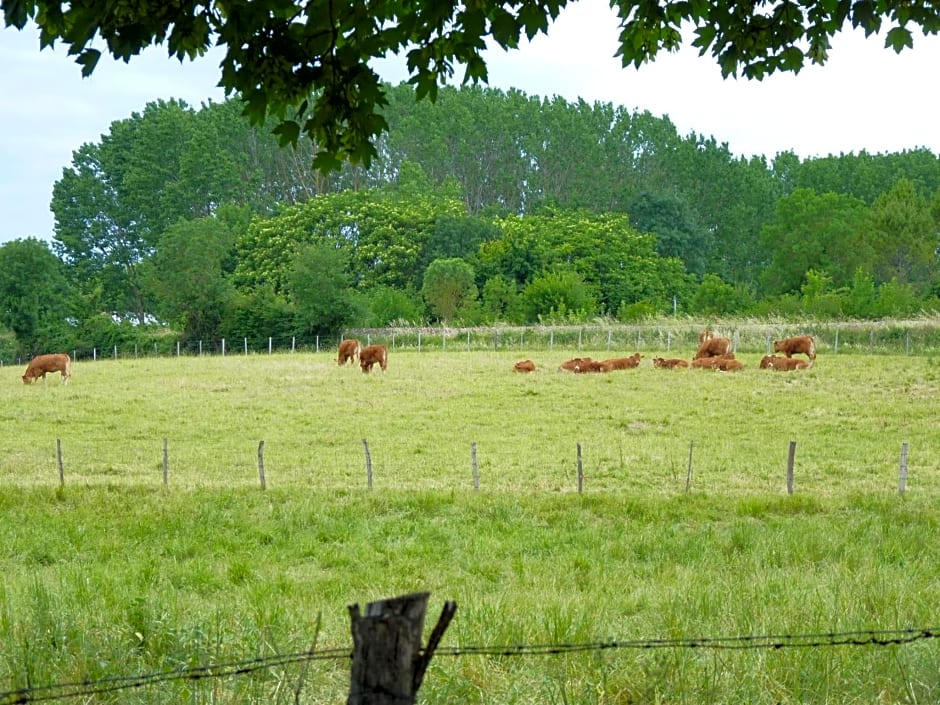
x=801 y=344
x=570 y=365
x=785 y=364
x=524 y=366
x=54 y=362
x=372 y=354
x=621 y=363
x=671 y=363
x=348 y=351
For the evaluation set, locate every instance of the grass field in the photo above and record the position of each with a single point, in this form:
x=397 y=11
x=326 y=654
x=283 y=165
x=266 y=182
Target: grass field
x=115 y=574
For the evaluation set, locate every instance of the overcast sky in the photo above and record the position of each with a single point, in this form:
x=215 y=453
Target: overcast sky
x=865 y=98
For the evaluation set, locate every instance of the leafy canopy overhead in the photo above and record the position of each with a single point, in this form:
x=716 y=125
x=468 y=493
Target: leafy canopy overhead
x=306 y=62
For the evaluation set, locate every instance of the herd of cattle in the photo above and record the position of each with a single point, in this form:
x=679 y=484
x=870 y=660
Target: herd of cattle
x=714 y=352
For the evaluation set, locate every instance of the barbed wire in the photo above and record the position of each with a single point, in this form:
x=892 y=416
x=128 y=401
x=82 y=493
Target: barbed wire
x=61 y=691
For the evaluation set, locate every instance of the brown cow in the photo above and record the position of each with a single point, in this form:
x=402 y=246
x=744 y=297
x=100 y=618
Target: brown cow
x=524 y=366
x=621 y=363
x=671 y=363
x=711 y=345
x=784 y=364
x=54 y=362
x=570 y=365
x=726 y=362
x=586 y=364
x=371 y=355
x=800 y=344
x=348 y=351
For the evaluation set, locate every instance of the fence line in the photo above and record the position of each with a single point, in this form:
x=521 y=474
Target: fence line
x=862 y=638
x=872 y=337
x=375 y=466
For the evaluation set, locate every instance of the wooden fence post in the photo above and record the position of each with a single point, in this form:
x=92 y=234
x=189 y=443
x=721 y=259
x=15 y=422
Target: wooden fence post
x=58 y=453
x=790 y=457
x=580 y=471
x=902 y=480
x=688 y=472
x=476 y=469
x=365 y=445
x=264 y=484
x=388 y=664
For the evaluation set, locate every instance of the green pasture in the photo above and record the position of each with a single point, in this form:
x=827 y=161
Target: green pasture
x=115 y=574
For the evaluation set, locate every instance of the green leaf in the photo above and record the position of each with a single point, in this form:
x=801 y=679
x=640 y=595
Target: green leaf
x=899 y=39
x=88 y=59
x=288 y=132
x=15 y=14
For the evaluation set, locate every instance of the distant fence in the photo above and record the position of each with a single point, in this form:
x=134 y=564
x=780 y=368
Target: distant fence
x=919 y=337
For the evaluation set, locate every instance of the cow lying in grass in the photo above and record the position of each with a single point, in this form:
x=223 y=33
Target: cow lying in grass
x=671 y=363
x=784 y=364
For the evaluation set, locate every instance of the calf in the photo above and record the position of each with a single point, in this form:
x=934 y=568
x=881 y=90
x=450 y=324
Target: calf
x=801 y=344
x=524 y=366
x=671 y=363
x=725 y=362
x=586 y=364
x=621 y=363
x=372 y=354
x=785 y=364
x=570 y=365
x=53 y=362
x=348 y=351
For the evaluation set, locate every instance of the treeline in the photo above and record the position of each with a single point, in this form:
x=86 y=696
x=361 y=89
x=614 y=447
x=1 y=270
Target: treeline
x=485 y=206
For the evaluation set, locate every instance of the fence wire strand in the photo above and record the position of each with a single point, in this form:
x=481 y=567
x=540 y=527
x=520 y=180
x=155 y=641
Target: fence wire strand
x=62 y=691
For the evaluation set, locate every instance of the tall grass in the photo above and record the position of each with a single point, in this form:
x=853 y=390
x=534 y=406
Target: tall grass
x=114 y=574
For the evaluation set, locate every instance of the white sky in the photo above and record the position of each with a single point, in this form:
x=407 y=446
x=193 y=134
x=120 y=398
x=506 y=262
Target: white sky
x=865 y=98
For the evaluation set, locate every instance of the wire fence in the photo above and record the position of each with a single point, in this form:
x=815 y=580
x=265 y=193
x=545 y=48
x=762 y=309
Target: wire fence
x=921 y=337
x=102 y=686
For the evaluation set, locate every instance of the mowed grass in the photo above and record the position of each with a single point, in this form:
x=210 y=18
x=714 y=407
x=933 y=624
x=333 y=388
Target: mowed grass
x=116 y=575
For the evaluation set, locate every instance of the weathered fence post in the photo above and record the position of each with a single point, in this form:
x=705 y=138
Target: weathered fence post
x=688 y=472
x=365 y=445
x=166 y=463
x=476 y=469
x=58 y=453
x=580 y=472
x=223 y=347
x=246 y=345
x=790 y=457
x=264 y=484
x=388 y=664
x=902 y=480
x=835 y=347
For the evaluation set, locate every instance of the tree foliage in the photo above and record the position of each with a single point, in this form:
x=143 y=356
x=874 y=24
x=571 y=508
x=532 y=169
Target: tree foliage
x=448 y=286
x=35 y=298
x=306 y=62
